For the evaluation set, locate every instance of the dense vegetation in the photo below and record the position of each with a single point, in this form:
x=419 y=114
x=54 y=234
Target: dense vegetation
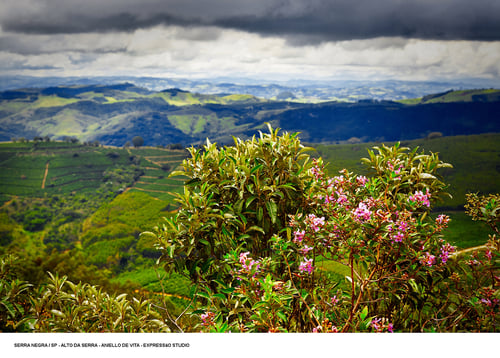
x=265 y=240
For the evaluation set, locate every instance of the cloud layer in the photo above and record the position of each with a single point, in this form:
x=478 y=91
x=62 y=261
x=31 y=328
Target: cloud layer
x=318 y=20
x=419 y=39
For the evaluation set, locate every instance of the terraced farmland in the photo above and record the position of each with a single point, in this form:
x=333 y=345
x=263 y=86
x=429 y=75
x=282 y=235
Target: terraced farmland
x=40 y=168
x=155 y=181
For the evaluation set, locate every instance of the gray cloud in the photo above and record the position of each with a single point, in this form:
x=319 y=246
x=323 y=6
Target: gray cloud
x=300 y=21
x=46 y=44
x=365 y=19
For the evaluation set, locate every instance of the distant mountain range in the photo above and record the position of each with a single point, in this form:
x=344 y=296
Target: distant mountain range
x=297 y=90
x=113 y=114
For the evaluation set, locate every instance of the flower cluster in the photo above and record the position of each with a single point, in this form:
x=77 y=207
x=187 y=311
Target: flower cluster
x=362 y=213
x=446 y=250
x=207 y=319
x=420 y=198
x=488 y=255
x=315 y=222
x=361 y=180
x=381 y=325
x=442 y=221
x=298 y=236
x=325 y=327
x=395 y=169
x=248 y=265
x=489 y=301
x=398 y=230
x=316 y=170
x=428 y=259
x=306 y=266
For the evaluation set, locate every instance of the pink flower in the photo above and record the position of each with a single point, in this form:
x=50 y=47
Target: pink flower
x=397 y=237
x=428 y=260
x=420 y=198
x=315 y=222
x=316 y=171
x=306 y=266
x=379 y=324
x=403 y=225
x=339 y=181
x=445 y=252
x=442 y=220
x=244 y=257
x=361 y=180
x=207 y=319
x=305 y=250
x=398 y=234
x=362 y=213
x=248 y=264
x=341 y=197
x=375 y=324
x=298 y=236
x=488 y=255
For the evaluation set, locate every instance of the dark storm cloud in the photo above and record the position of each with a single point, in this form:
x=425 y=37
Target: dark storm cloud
x=364 y=19
x=297 y=20
x=72 y=23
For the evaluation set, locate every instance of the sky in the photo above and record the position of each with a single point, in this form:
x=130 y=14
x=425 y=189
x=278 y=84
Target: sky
x=268 y=40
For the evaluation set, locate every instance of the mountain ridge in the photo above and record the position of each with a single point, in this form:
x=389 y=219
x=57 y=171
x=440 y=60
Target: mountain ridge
x=114 y=114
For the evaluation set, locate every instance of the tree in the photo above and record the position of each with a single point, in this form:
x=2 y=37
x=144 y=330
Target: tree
x=137 y=141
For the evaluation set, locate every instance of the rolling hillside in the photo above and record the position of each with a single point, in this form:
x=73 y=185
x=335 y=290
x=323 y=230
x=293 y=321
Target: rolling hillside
x=114 y=114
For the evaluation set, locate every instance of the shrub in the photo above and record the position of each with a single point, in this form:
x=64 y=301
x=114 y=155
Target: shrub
x=235 y=198
x=260 y=224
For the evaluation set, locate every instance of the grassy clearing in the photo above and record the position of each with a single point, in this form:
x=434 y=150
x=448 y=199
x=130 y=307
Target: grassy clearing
x=53 y=101
x=463 y=232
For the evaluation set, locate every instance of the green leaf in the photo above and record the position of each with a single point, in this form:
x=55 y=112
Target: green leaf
x=58 y=313
x=203 y=294
x=254 y=169
x=177 y=173
x=282 y=316
x=228 y=290
x=256 y=228
x=260 y=214
x=220 y=296
x=249 y=201
x=364 y=313
x=192 y=182
x=9 y=307
x=272 y=210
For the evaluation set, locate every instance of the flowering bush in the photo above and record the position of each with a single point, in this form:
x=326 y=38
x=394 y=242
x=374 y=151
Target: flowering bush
x=275 y=244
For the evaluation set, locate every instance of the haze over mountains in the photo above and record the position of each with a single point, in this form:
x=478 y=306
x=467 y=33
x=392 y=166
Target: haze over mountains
x=113 y=114
x=297 y=89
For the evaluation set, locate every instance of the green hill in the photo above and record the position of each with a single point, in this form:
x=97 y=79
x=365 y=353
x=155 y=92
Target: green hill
x=474 y=95
x=114 y=114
